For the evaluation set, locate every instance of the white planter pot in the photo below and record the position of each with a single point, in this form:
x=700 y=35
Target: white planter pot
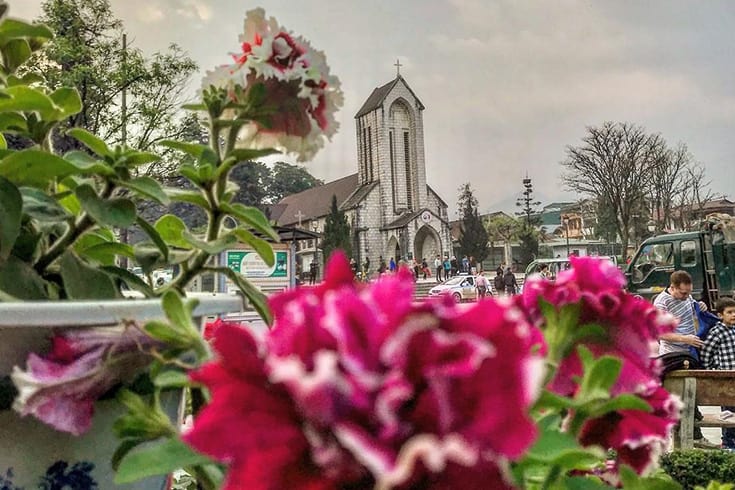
x=29 y=448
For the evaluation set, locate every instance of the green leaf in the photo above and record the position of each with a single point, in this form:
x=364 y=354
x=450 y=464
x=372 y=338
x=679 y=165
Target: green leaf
x=14 y=28
x=191 y=172
x=82 y=281
x=553 y=401
x=119 y=212
x=10 y=121
x=91 y=141
x=251 y=216
x=599 y=378
x=42 y=207
x=11 y=212
x=26 y=99
x=147 y=187
x=67 y=100
x=171 y=379
x=21 y=281
x=583 y=483
x=131 y=280
x=247 y=155
x=15 y=53
x=550 y=444
x=257 y=299
x=122 y=450
x=202 y=153
x=212 y=248
x=183 y=195
x=3 y=143
x=621 y=402
x=155 y=236
x=34 y=168
x=179 y=313
x=263 y=248
x=164 y=332
x=148 y=257
x=171 y=230
x=145 y=419
x=27 y=79
x=106 y=253
x=88 y=164
x=158 y=460
x=137 y=158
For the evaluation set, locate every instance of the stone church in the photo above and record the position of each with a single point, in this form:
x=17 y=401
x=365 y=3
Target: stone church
x=391 y=209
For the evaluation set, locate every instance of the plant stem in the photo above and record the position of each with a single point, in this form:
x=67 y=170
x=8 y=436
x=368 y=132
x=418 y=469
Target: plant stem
x=75 y=230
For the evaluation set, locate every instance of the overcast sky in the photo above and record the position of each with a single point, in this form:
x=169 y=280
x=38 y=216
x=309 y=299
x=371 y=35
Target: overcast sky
x=507 y=85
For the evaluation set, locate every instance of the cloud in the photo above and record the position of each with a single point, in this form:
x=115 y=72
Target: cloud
x=195 y=9
x=150 y=13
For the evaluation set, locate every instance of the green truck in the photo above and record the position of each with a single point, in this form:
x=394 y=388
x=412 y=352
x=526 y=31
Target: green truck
x=708 y=255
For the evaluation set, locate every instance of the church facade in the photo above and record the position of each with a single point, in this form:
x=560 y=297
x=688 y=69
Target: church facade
x=392 y=210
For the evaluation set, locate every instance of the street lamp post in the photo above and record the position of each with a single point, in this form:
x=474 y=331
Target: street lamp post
x=314 y=227
x=566 y=232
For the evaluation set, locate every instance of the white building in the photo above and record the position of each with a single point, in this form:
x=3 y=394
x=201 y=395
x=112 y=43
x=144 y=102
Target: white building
x=391 y=209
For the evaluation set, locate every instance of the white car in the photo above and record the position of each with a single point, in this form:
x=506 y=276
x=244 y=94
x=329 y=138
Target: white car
x=462 y=288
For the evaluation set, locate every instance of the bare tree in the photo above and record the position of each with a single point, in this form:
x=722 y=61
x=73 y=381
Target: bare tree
x=669 y=182
x=695 y=195
x=614 y=164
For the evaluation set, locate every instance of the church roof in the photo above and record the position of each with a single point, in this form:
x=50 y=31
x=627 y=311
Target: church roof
x=379 y=94
x=356 y=197
x=312 y=203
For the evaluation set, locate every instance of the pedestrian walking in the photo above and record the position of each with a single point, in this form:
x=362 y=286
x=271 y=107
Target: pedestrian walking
x=509 y=280
x=481 y=284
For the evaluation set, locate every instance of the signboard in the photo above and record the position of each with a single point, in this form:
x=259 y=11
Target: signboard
x=250 y=265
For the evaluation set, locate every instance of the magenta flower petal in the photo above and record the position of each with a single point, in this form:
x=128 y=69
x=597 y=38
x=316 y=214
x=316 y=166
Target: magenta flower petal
x=61 y=388
x=353 y=378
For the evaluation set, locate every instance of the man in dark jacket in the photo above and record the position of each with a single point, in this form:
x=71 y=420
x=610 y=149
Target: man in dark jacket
x=509 y=280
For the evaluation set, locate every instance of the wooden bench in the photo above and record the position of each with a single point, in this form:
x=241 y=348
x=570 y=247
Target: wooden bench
x=704 y=388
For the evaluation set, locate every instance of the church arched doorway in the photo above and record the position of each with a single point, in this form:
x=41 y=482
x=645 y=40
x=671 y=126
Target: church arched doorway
x=426 y=244
x=394 y=249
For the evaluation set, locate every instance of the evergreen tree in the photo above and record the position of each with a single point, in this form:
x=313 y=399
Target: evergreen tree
x=473 y=240
x=528 y=234
x=336 y=232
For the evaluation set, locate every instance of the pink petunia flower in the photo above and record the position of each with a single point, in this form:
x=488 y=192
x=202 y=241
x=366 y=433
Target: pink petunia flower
x=60 y=389
x=359 y=386
x=631 y=327
x=300 y=94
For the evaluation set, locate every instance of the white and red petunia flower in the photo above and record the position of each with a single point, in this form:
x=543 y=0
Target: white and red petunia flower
x=301 y=97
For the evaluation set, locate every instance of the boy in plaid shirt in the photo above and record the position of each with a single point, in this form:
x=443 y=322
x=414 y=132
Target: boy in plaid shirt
x=718 y=352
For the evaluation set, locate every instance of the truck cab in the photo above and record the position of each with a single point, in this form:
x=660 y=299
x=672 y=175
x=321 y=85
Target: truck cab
x=707 y=255
x=648 y=273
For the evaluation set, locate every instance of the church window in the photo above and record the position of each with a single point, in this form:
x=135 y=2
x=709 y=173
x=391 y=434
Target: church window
x=407 y=153
x=370 y=154
x=364 y=154
x=391 y=150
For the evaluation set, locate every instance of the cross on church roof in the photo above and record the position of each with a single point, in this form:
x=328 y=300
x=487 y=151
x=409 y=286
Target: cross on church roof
x=398 y=66
x=298 y=216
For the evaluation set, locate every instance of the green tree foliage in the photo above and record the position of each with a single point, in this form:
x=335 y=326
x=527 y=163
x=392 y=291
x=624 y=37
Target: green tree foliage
x=473 y=240
x=504 y=229
x=87 y=53
x=290 y=179
x=336 y=232
x=255 y=180
x=261 y=185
